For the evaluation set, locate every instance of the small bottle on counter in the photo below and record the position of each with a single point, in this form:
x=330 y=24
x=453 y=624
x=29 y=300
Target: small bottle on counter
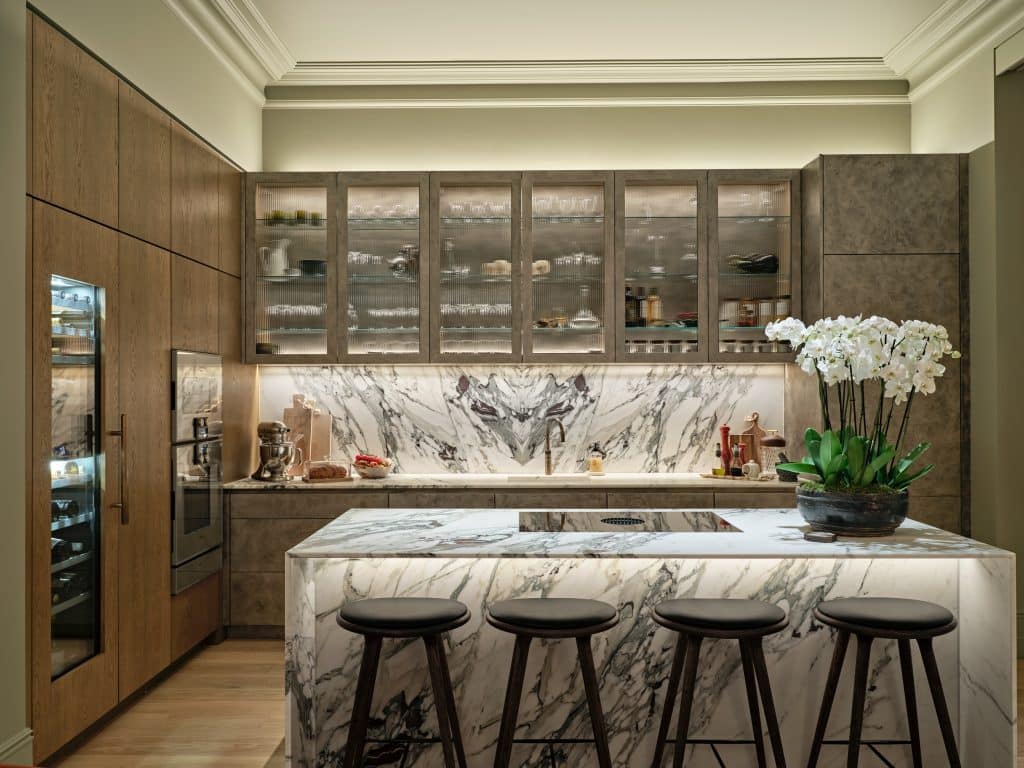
x=736 y=465
x=719 y=468
x=595 y=460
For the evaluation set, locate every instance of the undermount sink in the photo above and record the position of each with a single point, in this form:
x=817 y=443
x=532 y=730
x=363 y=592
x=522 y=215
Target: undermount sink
x=624 y=521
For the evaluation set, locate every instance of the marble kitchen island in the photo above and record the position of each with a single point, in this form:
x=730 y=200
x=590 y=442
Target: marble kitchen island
x=481 y=556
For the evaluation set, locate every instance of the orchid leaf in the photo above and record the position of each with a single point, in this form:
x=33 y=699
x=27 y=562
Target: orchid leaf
x=800 y=468
x=903 y=482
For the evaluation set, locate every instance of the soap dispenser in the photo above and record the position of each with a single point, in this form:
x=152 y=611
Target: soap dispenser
x=595 y=460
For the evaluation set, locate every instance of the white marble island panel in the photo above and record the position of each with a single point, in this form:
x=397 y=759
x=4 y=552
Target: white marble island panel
x=481 y=556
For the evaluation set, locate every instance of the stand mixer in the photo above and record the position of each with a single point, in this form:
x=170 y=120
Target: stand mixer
x=277 y=455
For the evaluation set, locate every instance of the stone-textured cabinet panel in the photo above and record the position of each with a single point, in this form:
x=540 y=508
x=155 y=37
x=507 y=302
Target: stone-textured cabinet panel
x=660 y=499
x=940 y=511
x=891 y=204
x=322 y=504
x=748 y=500
x=260 y=544
x=257 y=600
x=435 y=499
x=556 y=499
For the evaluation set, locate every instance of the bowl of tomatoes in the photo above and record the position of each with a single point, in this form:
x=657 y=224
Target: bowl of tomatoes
x=372 y=467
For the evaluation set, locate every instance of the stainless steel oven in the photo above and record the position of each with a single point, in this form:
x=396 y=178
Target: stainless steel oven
x=196 y=495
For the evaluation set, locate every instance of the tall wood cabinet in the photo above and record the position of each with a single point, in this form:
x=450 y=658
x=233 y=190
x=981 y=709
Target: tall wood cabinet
x=135 y=229
x=887 y=235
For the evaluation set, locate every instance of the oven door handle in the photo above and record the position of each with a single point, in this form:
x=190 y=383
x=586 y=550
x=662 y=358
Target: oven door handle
x=122 y=465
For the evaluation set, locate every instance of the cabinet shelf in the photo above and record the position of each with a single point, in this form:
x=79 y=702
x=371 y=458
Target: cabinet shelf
x=383 y=331
x=71 y=562
x=647 y=276
x=65 y=605
x=70 y=522
x=293 y=331
x=389 y=279
x=284 y=280
x=76 y=360
x=661 y=331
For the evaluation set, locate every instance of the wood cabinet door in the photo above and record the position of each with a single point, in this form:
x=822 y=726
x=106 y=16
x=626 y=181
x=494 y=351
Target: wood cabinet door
x=144 y=168
x=74 y=121
x=239 y=385
x=194 y=309
x=62 y=707
x=229 y=218
x=194 y=198
x=144 y=554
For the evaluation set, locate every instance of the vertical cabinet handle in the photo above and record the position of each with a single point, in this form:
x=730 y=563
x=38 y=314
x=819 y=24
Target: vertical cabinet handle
x=122 y=464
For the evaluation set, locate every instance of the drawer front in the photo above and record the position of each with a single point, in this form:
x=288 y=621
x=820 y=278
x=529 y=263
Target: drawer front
x=305 y=503
x=660 y=499
x=260 y=544
x=441 y=499
x=755 y=500
x=554 y=499
x=257 y=600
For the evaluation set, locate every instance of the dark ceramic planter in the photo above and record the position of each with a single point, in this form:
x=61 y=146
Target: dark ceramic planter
x=852 y=514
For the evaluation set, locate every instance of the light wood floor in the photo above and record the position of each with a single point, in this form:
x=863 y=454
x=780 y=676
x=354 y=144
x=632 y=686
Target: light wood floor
x=224 y=709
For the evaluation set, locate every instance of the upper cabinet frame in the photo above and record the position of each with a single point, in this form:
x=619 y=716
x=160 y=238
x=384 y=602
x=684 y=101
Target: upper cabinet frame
x=267 y=301
x=567 y=268
x=750 y=214
x=675 y=223
x=376 y=210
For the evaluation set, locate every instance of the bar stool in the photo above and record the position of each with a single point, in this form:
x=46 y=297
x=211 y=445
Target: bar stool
x=889 y=618
x=401 y=617
x=551 y=617
x=748 y=622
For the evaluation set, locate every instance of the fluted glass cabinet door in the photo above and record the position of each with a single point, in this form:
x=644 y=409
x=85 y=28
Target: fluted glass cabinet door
x=383 y=261
x=755 y=261
x=292 y=273
x=475 y=298
x=661 y=266
x=568 y=275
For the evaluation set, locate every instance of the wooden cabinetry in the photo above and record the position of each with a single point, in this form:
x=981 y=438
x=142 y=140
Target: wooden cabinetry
x=74 y=127
x=239 y=386
x=885 y=235
x=195 y=306
x=144 y=168
x=229 y=218
x=195 y=615
x=144 y=580
x=78 y=250
x=195 y=198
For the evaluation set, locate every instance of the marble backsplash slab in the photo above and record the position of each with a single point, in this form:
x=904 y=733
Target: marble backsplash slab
x=430 y=419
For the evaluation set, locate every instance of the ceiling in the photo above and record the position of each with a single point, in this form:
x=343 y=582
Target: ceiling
x=473 y=30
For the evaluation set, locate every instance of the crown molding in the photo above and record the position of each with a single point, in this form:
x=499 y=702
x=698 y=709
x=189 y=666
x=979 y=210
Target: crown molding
x=930 y=33
x=997 y=22
x=582 y=72
x=207 y=25
x=253 y=30
x=585 y=102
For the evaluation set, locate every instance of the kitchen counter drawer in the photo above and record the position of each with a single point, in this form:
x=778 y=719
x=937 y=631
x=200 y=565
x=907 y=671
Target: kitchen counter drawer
x=755 y=500
x=321 y=504
x=257 y=600
x=661 y=499
x=259 y=544
x=441 y=499
x=553 y=498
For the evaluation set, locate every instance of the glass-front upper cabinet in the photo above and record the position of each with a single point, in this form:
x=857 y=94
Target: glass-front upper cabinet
x=75 y=479
x=568 y=228
x=383 y=259
x=292 y=275
x=661 y=266
x=754 y=251
x=475 y=294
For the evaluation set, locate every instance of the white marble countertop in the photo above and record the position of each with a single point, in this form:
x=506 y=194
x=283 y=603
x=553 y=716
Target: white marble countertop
x=494 y=533
x=663 y=481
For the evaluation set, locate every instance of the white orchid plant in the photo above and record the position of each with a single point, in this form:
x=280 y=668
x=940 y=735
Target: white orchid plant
x=870 y=362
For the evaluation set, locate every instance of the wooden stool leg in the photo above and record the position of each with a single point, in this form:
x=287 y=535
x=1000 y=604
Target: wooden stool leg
x=453 y=715
x=671 y=692
x=938 y=698
x=767 y=702
x=513 y=693
x=686 y=704
x=755 y=716
x=910 y=697
x=586 y=654
x=363 y=700
x=440 y=700
x=838 y=655
x=860 y=689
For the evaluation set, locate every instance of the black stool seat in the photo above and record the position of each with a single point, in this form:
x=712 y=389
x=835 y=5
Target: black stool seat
x=402 y=613
x=887 y=613
x=721 y=614
x=552 y=613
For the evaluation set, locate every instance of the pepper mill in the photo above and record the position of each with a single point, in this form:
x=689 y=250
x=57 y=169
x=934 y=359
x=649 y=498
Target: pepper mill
x=726 y=450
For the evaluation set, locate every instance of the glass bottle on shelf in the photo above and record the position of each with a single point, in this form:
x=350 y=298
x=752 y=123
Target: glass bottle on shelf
x=74 y=466
x=660 y=263
x=754 y=266
x=292 y=270
x=383 y=270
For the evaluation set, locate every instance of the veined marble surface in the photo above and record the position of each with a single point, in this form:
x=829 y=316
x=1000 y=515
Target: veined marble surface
x=495 y=533
x=459 y=554
x=663 y=481
x=477 y=419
